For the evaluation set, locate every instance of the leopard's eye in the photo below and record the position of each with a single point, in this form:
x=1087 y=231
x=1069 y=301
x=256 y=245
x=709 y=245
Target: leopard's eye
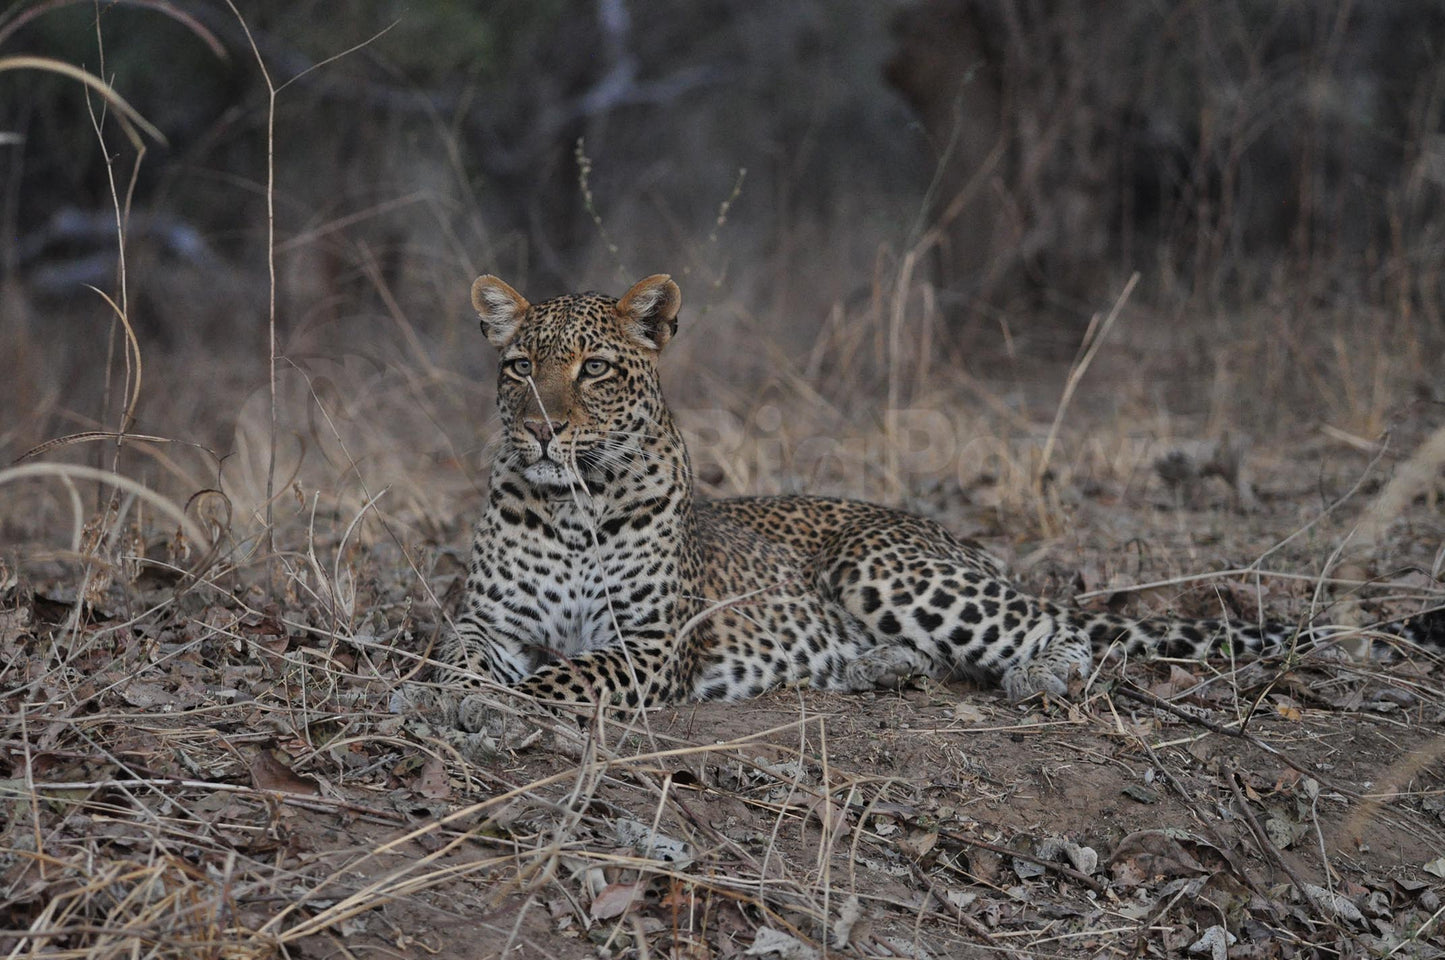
x=595 y=367
x=521 y=368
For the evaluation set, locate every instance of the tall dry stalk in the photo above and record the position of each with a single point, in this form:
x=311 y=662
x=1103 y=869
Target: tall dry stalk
x=273 y=90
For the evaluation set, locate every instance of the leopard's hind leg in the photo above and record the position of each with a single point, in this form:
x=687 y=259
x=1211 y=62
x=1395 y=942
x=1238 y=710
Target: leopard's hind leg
x=935 y=606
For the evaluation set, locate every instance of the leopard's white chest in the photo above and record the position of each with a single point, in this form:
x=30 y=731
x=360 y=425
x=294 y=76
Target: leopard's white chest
x=577 y=607
x=574 y=586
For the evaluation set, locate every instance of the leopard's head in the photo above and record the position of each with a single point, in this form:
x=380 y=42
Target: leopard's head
x=578 y=388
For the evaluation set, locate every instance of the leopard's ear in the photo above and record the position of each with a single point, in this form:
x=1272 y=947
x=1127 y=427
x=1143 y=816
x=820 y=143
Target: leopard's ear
x=500 y=308
x=649 y=311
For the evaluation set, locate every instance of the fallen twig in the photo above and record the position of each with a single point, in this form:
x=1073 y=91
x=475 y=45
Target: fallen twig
x=1141 y=696
x=1053 y=865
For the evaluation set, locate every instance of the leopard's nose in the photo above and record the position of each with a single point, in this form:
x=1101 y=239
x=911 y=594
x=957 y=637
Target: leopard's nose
x=544 y=430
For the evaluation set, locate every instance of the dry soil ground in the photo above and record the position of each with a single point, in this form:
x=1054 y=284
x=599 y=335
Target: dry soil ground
x=206 y=758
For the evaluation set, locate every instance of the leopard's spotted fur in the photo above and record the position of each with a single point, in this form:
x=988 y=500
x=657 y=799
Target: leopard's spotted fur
x=596 y=573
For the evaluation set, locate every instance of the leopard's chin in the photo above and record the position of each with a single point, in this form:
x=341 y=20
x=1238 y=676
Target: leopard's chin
x=550 y=475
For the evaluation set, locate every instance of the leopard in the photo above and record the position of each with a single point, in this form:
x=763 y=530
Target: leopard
x=598 y=575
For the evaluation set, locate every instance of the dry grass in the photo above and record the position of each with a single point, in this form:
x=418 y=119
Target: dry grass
x=200 y=656
x=207 y=764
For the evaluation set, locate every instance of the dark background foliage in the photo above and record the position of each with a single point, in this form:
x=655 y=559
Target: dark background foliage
x=1033 y=154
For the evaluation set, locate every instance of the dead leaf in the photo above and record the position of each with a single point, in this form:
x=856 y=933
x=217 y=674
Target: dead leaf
x=1141 y=793
x=1215 y=941
x=783 y=945
x=1200 y=750
x=651 y=844
x=965 y=712
x=1179 y=681
x=14 y=624
x=432 y=781
x=268 y=636
x=1129 y=873
x=1286 y=781
x=147 y=696
x=1284 y=832
x=614 y=899
x=831 y=814
x=1027 y=869
x=1335 y=904
x=918 y=843
x=848 y=916
x=680 y=896
x=266 y=625
x=1084 y=859
x=269 y=773
x=1436 y=867
x=1288 y=709
x=1377 y=904
x=1151 y=853
x=960 y=899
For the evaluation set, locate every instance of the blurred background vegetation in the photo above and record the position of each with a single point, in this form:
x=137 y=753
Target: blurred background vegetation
x=1009 y=162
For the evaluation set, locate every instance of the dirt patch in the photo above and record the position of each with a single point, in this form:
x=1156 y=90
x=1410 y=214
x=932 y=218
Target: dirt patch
x=229 y=787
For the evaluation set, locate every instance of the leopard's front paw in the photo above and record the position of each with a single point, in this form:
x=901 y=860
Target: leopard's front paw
x=476 y=714
x=885 y=667
x=1066 y=656
x=428 y=702
x=476 y=725
x=480 y=715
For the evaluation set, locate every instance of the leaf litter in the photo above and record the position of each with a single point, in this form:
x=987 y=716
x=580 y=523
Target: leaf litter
x=193 y=772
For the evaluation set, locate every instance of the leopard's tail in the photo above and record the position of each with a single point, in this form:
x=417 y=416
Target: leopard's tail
x=1113 y=635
